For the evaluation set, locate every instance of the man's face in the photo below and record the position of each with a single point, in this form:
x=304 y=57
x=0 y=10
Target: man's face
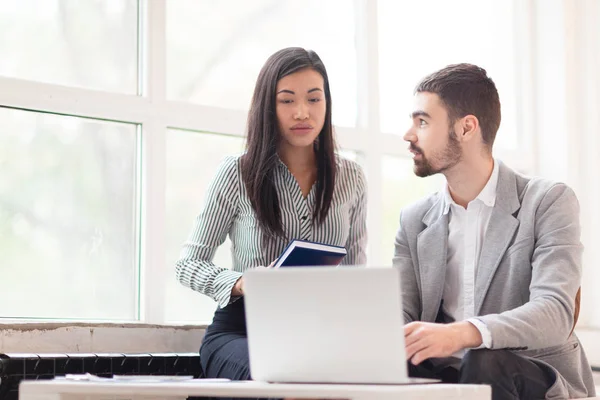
x=432 y=139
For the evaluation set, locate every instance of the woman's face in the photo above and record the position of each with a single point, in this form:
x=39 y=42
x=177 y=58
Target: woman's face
x=301 y=107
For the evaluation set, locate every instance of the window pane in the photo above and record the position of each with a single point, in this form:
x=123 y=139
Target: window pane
x=351 y=155
x=216 y=62
x=419 y=37
x=67 y=217
x=400 y=187
x=91 y=43
x=192 y=161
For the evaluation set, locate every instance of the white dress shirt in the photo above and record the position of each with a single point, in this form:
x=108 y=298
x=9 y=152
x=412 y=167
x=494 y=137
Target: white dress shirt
x=466 y=231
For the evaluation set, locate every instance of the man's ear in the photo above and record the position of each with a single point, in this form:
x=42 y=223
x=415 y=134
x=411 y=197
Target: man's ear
x=469 y=127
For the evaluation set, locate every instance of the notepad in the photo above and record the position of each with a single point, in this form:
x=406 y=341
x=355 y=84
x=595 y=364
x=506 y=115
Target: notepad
x=302 y=253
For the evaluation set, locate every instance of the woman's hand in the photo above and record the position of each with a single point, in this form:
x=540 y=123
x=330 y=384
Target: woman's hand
x=238 y=288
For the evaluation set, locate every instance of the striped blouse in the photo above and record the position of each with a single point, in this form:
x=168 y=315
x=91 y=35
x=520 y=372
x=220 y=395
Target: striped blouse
x=227 y=211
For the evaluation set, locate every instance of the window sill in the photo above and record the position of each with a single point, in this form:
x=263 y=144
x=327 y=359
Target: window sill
x=18 y=336
x=23 y=324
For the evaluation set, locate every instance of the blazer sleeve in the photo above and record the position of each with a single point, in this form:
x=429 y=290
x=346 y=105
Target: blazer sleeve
x=408 y=279
x=547 y=318
x=195 y=268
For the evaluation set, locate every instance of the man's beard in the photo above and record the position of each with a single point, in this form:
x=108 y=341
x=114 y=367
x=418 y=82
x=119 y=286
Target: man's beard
x=446 y=159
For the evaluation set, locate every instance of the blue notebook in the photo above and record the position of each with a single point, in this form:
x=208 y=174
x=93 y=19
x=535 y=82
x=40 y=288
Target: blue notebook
x=301 y=253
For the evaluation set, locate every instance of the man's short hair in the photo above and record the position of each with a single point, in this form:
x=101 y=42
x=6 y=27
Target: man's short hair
x=466 y=89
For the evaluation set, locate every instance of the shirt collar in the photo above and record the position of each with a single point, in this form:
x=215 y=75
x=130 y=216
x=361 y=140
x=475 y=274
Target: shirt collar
x=448 y=201
x=280 y=164
x=487 y=195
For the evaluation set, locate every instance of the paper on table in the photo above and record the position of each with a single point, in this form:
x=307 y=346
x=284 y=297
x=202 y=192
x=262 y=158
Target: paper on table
x=152 y=378
x=82 y=377
x=139 y=378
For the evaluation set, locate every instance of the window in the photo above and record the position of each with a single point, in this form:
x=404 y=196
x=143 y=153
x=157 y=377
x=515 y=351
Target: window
x=400 y=188
x=419 y=37
x=68 y=217
x=191 y=164
x=100 y=183
x=216 y=62
x=90 y=44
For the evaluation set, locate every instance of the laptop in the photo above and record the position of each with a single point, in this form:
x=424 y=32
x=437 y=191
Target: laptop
x=326 y=325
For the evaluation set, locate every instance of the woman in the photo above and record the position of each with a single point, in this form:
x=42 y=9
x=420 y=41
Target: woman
x=289 y=184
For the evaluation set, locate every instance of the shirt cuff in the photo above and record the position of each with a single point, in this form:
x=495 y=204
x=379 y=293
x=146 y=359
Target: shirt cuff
x=486 y=336
x=224 y=283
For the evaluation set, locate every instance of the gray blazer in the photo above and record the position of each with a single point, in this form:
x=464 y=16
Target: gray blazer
x=526 y=280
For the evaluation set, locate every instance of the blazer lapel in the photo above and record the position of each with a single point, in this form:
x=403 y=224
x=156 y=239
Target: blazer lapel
x=432 y=245
x=499 y=233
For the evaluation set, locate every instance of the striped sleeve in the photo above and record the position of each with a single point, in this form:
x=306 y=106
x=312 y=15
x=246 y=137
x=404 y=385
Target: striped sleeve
x=357 y=239
x=195 y=268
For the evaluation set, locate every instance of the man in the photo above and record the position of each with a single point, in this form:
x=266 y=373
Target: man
x=491 y=265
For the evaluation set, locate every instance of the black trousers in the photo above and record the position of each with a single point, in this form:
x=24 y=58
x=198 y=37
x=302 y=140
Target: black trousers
x=510 y=375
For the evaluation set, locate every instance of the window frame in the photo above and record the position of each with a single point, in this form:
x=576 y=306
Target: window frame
x=155 y=114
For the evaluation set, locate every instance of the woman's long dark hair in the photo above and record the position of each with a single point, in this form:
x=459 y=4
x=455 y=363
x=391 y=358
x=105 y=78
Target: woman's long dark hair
x=260 y=160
